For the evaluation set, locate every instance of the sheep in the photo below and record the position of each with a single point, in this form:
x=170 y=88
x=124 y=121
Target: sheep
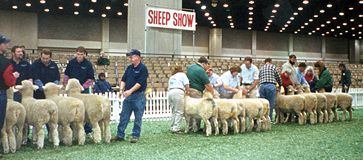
x=15 y=118
x=39 y=113
x=331 y=100
x=70 y=111
x=294 y=104
x=227 y=109
x=344 y=102
x=321 y=107
x=201 y=108
x=266 y=120
x=98 y=110
x=254 y=111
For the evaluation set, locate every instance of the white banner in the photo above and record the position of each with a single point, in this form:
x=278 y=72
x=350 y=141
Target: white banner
x=168 y=18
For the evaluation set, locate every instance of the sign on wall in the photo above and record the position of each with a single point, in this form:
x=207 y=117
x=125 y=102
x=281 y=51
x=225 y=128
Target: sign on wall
x=168 y=18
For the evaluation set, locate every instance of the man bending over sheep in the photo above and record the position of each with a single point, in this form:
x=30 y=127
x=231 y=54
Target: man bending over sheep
x=133 y=85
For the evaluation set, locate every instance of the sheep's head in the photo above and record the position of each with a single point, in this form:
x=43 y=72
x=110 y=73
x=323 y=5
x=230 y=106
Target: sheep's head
x=208 y=94
x=26 y=88
x=291 y=90
x=74 y=86
x=239 y=95
x=52 y=89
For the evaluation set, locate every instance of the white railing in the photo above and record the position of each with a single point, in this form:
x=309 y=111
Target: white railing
x=157 y=105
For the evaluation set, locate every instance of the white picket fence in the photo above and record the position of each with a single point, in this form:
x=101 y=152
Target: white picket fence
x=157 y=105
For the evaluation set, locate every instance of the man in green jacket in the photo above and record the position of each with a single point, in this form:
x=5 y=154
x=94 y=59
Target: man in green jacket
x=325 y=81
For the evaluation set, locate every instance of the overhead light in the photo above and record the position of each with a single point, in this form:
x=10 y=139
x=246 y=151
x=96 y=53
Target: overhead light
x=341 y=13
x=15 y=7
x=76 y=4
x=269 y=23
x=338 y=27
x=316 y=16
x=250 y=8
x=359 y=32
x=328 y=22
x=126 y=4
x=322 y=11
x=210 y=18
x=288 y=22
x=351 y=8
x=298 y=30
x=295 y=13
x=300 y=8
x=283 y=29
x=274 y=11
x=360 y=1
x=108 y=7
x=353 y=28
x=232 y=24
x=329 y=5
x=317 y=28
x=280 y=30
x=322 y=25
x=272 y=16
x=309 y=33
x=229 y=17
x=286 y=25
x=250 y=22
x=42 y=1
x=103 y=15
x=119 y=13
x=352 y=20
x=313 y=31
x=360 y=25
x=305 y=2
x=225 y=5
x=360 y=37
x=344 y=24
x=270 y=20
x=214 y=3
x=295 y=32
x=250 y=13
x=91 y=10
x=76 y=13
x=250 y=18
x=361 y=15
x=292 y=18
x=214 y=25
x=327 y=32
x=28 y=4
x=310 y=20
x=353 y=35
x=323 y=34
x=306 y=24
x=251 y=2
x=346 y=31
x=302 y=27
x=206 y=14
x=60 y=7
x=249 y=28
x=94 y=1
x=265 y=29
x=277 y=5
x=197 y=1
x=340 y=33
x=334 y=18
x=46 y=10
x=332 y=30
x=203 y=7
x=212 y=22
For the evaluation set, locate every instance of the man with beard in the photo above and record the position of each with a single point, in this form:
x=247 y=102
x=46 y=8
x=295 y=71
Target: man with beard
x=289 y=67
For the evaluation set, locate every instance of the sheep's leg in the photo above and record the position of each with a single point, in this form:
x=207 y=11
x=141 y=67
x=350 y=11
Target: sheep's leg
x=258 y=121
x=102 y=129
x=187 y=120
x=75 y=129
x=336 y=118
x=79 y=130
x=321 y=117
x=268 y=123
x=243 y=124
x=330 y=115
x=12 y=139
x=350 y=113
x=216 y=127
x=252 y=123
x=293 y=119
x=263 y=123
x=311 y=116
x=236 y=125
x=96 y=132
x=5 y=140
x=25 y=134
x=344 y=114
x=67 y=134
x=53 y=129
x=315 y=116
x=326 y=116
x=301 y=118
x=107 y=130
x=287 y=117
x=60 y=131
x=35 y=135
x=40 y=135
x=208 y=127
x=225 y=127
x=19 y=136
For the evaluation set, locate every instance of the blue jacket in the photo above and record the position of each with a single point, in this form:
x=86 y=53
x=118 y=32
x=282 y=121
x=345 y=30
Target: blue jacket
x=102 y=86
x=24 y=69
x=81 y=71
x=135 y=75
x=45 y=73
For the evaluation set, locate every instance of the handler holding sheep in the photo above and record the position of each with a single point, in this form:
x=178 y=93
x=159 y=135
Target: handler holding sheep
x=133 y=84
x=250 y=79
x=7 y=78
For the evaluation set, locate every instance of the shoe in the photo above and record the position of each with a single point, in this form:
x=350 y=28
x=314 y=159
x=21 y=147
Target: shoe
x=117 y=138
x=134 y=139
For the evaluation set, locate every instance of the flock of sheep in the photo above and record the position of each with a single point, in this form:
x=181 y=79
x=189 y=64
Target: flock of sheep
x=64 y=116
x=243 y=113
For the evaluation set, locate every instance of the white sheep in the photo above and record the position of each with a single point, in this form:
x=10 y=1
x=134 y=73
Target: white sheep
x=98 y=110
x=39 y=113
x=14 y=121
x=290 y=104
x=331 y=100
x=71 y=111
x=344 y=102
x=321 y=107
x=201 y=108
x=266 y=120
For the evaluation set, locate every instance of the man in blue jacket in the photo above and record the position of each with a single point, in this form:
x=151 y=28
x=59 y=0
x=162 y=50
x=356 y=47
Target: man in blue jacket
x=44 y=70
x=21 y=66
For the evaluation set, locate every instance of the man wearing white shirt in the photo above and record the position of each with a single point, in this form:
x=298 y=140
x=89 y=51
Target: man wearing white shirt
x=249 y=74
x=230 y=82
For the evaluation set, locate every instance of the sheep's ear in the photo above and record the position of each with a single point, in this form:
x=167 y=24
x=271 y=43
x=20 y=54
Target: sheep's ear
x=18 y=87
x=35 y=88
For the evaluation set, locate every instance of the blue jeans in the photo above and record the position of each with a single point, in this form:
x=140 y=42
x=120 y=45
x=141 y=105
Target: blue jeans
x=134 y=103
x=268 y=91
x=17 y=97
x=3 y=101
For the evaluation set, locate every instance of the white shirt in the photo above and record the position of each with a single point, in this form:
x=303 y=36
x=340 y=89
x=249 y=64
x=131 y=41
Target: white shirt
x=290 y=68
x=178 y=80
x=230 y=81
x=249 y=74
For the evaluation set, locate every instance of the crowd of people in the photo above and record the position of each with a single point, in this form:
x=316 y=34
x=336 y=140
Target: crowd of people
x=248 y=78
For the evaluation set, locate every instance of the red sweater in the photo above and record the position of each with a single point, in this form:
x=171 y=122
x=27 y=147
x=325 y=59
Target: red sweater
x=285 y=80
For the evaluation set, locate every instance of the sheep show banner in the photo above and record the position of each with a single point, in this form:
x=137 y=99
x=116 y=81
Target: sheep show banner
x=171 y=19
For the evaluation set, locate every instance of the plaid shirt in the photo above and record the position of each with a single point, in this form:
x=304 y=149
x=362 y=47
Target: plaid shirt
x=269 y=74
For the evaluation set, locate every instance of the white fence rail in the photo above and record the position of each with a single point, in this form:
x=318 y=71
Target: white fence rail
x=157 y=105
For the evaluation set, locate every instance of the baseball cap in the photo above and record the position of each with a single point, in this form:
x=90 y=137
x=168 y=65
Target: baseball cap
x=134 y=52
x=4 y=39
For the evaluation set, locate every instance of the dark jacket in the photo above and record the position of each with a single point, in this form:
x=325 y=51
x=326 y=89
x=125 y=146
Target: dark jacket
x=45 y=73
x=7 y=78
x=345 y=77
x=102 y=86
x=24 y=69
x=325 y=80
x=81 y=71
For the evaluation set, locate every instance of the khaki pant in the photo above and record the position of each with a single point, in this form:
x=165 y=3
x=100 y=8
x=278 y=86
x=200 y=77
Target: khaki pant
x=176 y=101
x=194 y=93
x=253 y=93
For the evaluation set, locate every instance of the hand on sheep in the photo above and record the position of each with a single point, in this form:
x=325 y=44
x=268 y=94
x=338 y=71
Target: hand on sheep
x=16 y=74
